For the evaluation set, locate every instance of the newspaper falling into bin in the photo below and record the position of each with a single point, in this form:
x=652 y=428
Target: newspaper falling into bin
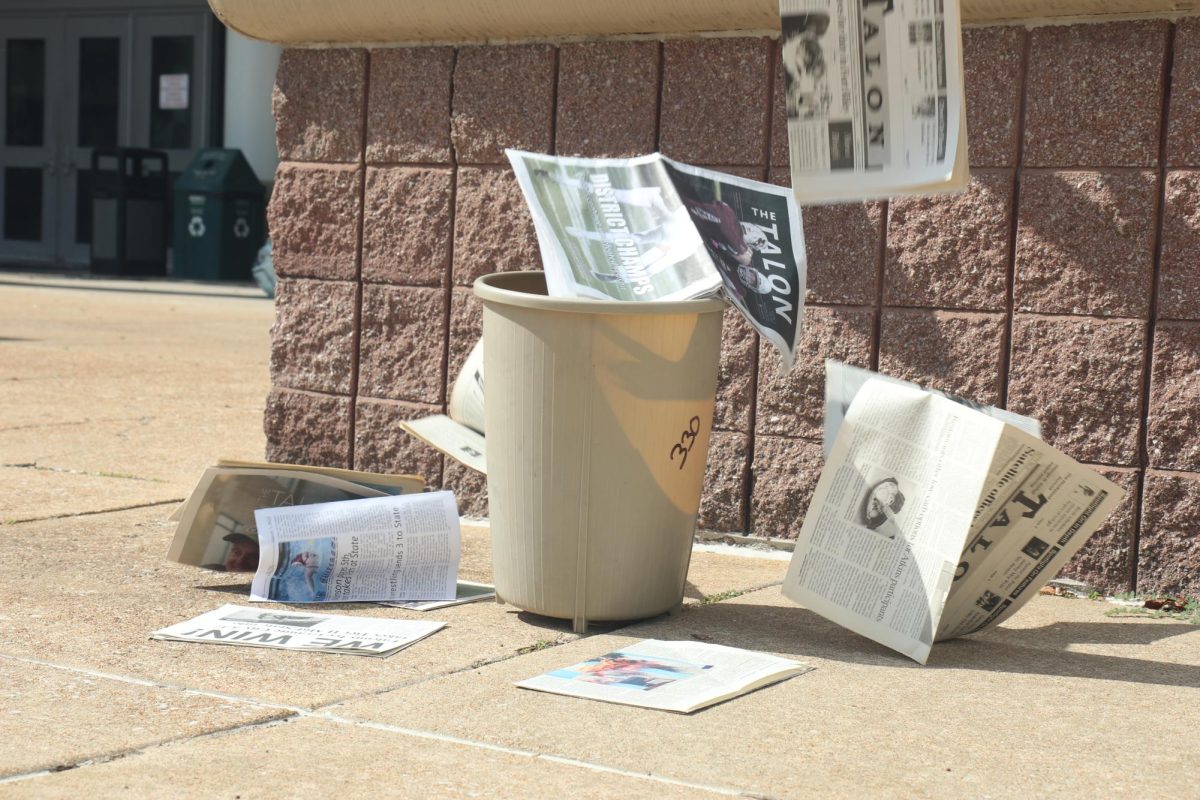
x=874 y=97
x=649 y=228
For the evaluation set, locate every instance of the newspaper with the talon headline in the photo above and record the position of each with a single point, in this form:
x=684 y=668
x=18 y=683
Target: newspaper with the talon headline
x=649 y=228
x=842 y=382
x=288 y=630
x=216 y=528
x=932 y=520
x=381 y=548
x=874 y=96
x=669 y=676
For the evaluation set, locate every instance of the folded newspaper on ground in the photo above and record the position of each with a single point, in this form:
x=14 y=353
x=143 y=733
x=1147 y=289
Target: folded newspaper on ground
x=932 y=520
x=216 y=527
x=467 y=592
x=382 y=548
x=670 y=676
x=288 y=630
x=874 y=97
x=649 y=228
x=459 y=435
x=842 y=382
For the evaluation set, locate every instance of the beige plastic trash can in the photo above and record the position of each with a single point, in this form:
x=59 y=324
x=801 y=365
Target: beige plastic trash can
x=598 y=417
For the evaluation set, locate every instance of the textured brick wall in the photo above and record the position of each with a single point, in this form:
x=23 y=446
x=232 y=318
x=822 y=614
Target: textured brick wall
x=1065 y=283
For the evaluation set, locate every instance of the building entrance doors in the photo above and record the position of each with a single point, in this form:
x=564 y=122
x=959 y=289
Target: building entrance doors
x=72 y=83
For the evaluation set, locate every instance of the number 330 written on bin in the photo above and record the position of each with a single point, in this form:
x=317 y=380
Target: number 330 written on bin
x=687 y=440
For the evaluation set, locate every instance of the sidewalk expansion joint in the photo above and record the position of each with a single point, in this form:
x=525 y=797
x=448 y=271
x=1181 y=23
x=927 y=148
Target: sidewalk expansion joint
x=33 y=465
x=531 y=754
x=72 y=514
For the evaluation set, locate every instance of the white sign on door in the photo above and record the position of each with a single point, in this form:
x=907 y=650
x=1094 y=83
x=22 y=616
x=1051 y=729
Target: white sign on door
x=173 y=91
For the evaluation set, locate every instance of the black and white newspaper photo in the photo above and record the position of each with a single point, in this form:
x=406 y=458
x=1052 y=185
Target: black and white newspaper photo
x=384 y=548
x=649 y=228
x=288 y=630
x=931 y=520
x=874 y=96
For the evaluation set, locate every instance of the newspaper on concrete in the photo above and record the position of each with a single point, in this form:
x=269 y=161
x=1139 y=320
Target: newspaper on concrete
x=467 y=592
x=842 y=382
x=649 y=228
x=932 y=520
x=381 y=548
x=874 y=96
x=216 y=527
x=287 y=630
x=459 y=434
x=670 y=676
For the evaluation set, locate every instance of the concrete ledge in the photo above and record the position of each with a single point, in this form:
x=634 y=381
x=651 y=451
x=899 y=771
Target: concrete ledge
x=296 y=22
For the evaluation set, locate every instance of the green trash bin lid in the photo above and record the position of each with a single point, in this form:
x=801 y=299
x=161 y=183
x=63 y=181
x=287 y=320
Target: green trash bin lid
x=218 y=170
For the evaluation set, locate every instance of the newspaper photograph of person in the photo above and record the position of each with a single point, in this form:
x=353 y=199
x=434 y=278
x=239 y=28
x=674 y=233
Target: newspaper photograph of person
x=751 y=236
x=809 y=92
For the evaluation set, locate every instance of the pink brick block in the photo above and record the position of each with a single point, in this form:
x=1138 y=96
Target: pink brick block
x=314 y=218
x=785 y=475
x=402 y=344
x=1169 y=545
x=408 y=105
x=1174 y=410
x=713 y=108
x=503 y=97
x=381 y=445
x=1085 y=243
x=594 y=78
x=739 y=368
x=407 y=226
x=1183 y=121
x=318 y=104
x=951 y=251
x=992 y=61
x=1082 y=377
x=493 y=231
x=312 y=341
x=1094 y=94
x=957 y=352
x=1179 y=275
x=721 y=505
x=307 y=428
x=466 y=328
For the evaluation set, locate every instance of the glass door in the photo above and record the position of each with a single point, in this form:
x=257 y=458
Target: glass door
x=97 y=114
x=30 y=64
x=170 y=84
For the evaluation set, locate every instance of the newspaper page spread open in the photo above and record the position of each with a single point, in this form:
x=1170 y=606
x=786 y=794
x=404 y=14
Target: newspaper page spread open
x=216 y=523
x=459 y=434
x=288 y=630
x=671 y=676
x=901 y=542
x=842 y=382
x=385 y=548
x=874 y=97
x=648 y=228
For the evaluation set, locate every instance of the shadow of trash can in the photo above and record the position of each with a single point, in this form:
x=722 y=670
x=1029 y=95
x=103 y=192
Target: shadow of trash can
x=598 y=418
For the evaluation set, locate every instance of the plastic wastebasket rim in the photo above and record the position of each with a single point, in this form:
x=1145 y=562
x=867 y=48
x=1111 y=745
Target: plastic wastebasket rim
x=528 y=289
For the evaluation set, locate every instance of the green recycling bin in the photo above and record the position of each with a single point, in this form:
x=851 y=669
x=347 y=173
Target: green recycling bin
x=219 y=217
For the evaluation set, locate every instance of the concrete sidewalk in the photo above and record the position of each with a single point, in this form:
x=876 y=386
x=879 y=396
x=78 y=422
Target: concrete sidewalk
x=114 y=396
